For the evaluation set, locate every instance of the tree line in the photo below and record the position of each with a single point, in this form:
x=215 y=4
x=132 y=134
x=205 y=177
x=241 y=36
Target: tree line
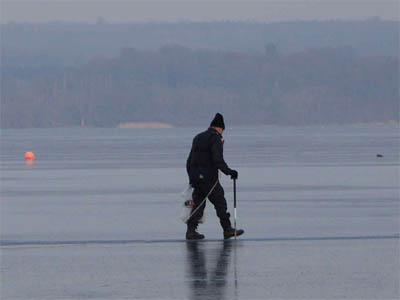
x=71 y=44
x=185 y=86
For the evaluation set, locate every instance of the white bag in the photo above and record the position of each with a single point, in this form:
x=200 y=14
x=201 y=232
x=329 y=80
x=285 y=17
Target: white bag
x=188 y=205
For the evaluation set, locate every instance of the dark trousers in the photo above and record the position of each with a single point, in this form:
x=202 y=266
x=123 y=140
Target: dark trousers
x=217 y=198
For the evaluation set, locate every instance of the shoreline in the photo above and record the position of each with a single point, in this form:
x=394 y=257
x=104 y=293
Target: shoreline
x=129 y=125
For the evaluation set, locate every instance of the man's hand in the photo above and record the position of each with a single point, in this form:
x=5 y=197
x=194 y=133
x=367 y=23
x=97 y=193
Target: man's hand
x=234 y=174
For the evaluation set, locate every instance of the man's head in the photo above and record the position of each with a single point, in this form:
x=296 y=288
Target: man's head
x=218 y=123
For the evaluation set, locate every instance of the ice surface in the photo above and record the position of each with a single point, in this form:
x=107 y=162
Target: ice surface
x=212 y=270
x=97 y=215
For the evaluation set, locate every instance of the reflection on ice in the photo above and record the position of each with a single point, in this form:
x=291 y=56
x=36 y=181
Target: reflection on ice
x=208 y=281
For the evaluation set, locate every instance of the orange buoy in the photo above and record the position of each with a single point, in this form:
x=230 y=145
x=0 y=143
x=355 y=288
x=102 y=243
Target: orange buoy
x=29 y=156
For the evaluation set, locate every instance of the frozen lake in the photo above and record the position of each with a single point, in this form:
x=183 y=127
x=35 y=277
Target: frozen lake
x=97 y=215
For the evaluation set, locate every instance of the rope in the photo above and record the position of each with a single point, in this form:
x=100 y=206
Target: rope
x=202 y=202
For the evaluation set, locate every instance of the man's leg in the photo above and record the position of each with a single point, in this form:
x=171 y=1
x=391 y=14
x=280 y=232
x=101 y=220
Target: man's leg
x=197 y=211
x=217 y=198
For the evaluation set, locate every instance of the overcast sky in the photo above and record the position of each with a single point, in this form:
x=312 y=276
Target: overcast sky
x=195 y=10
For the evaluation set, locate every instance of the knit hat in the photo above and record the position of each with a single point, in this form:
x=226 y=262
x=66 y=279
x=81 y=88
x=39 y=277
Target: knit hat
x=218 y=121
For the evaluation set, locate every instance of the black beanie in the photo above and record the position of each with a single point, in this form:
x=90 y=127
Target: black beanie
x=218 y=121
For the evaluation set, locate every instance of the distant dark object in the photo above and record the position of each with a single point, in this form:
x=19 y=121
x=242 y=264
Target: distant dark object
x=379 y=155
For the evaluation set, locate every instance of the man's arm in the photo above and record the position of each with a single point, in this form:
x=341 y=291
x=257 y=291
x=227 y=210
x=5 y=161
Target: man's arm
x=188 y=162
x=218 y=156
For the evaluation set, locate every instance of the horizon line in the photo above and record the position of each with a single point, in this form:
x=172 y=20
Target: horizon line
x=103 y=21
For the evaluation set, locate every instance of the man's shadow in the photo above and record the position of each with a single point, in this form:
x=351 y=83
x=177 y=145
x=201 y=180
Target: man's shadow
x=202 y=284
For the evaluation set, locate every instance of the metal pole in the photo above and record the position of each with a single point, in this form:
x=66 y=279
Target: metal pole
x=234 y=205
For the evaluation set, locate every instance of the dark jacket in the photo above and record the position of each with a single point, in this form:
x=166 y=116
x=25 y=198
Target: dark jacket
x=206 y=157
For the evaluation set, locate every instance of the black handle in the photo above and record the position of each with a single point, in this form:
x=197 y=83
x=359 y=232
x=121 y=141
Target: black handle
x=234 y=193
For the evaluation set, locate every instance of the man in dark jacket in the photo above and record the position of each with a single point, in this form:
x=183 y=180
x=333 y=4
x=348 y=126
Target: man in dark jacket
x=204 y=161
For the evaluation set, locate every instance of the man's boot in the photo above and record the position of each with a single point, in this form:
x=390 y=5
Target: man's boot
x=192 y=234
x=230 y=232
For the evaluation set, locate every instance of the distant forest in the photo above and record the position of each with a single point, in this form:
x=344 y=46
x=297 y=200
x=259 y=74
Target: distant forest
x=280 y=73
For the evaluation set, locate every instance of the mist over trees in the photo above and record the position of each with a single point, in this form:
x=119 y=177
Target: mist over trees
x=66 y=44
x=308 y=76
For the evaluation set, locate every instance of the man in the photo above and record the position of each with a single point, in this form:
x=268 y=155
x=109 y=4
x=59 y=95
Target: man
x=204 y=161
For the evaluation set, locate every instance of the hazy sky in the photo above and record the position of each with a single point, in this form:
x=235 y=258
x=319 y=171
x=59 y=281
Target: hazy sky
x=195 y=10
